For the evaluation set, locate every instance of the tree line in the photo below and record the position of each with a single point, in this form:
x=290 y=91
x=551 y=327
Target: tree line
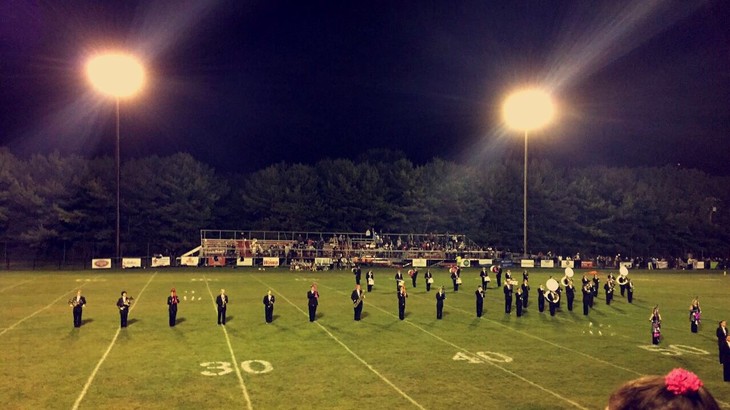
x=54 y=206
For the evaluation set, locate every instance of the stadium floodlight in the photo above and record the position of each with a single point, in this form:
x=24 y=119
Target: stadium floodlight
x=527 y=110
x=118 y=75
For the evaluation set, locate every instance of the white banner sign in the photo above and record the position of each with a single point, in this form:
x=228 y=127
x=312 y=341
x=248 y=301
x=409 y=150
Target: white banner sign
x=527 y=263
x=105 y=263
x=547 y=263
x=485 y=262
x=131 y=263
x=161 y=261
x=189 y=261
x=662 y=265
x=271 y=262
x=420 y=263
x=322 y=261
x=244 y=262
x=700 y=265
x=566 y=264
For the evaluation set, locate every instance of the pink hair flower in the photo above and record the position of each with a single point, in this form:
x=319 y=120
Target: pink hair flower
x=680 y=381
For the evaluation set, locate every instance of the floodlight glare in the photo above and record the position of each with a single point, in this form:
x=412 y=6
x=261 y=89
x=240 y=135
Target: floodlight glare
x=528 y=110
x=117 y=75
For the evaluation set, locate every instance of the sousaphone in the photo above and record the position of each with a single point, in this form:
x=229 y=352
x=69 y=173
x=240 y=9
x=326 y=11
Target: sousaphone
x=622 y=276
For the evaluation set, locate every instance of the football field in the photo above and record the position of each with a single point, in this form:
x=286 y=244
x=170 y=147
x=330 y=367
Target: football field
x=494 y=362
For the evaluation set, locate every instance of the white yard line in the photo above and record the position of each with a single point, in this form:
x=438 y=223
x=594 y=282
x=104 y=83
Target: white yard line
x=17 y=284
x=233 y=355
x=530 y=382
x=39 y=310
x=355 y=355
x=108 y=349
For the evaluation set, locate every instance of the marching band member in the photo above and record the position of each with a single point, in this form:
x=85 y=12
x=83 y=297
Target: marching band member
x=587 y=297
x=222 y=302
x=608 y=287
x=630 y=291
x=440 y=297
x=541 y=298
x=519 y=301
x=525 y=287
x=725 y=354
x=455 y=277
x=596 y=283
x=480 y=300
x=508 y=275
x=525 y=275
x=570 y=294
x=312 y=301
x=402 y=295
x=656 y=325
x=356 y=298
x=77 y=303
x=722 y=335
x=123 y=304
x=268 y=301
x=679 y=389
x=694 y=314
x=484 y=274
x=507 y=296
x=172 y=302
x=358 y=273
x=499 y=275
x=413 y=273
x=552 y=299
x=398 y=280
x=429 y=279
x=370 y=278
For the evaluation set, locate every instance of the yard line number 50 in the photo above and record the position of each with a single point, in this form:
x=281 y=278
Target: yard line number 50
x=248 y=366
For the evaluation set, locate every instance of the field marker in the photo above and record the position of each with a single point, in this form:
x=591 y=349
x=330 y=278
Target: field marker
x=355 y=355
x=552 y=343
x=108 y=349
x=530 y=382
x=230 y=348
x=39 y=310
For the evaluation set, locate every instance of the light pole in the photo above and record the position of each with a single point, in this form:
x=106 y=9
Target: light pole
x=527 y=110
x=121 y=76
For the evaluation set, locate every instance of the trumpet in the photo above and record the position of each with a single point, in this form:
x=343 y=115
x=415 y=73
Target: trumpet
x=73 y=302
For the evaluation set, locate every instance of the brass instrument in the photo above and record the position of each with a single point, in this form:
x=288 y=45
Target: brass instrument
x=73 y=302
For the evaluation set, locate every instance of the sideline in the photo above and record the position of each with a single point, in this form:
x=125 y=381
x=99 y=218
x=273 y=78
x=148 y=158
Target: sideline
x=230 y=349
x=41 y=309
x=108 y=349
x=361 y=360
x=530 y=382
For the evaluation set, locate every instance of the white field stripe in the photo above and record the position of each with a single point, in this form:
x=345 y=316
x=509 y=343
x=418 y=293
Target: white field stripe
x=17 y=284
x=39 y=310
x=355 y=355
x=551 y=343
x=108 y=349
x=236 y=365
x=513 y=374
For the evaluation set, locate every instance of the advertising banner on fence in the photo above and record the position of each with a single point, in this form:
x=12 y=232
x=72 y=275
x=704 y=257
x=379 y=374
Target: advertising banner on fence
x=189 y=260
x=273 y=262
x=420 y=263
x=485 y=262
x=159 y=261
x=128 y=263
x=216 y=261
x=566 y=264
x=527 y=263
x=662 y=265
x=244 y=262
x=586 y=264
x=547 y=263
x=105 y=263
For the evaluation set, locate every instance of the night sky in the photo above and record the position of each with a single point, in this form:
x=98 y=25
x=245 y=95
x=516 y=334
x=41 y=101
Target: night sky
x=241 y=85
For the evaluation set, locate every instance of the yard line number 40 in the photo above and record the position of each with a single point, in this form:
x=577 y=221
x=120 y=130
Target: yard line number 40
x=248 y=366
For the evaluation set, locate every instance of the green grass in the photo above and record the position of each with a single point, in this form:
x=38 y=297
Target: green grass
x=538 y=361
